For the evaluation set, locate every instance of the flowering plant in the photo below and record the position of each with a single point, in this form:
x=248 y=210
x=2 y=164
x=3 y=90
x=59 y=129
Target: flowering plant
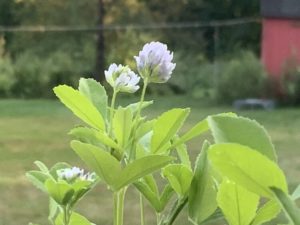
x=123 y=148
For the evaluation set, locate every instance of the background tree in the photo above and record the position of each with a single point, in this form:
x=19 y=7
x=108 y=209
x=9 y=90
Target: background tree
x=100 y=60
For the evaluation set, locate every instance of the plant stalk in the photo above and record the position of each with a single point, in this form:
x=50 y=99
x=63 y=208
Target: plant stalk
x=142 y=99
x=111 y=111
x=179 y=205
x=142 y=210
x=136 y=119
x=119 y=206
x=66 y=217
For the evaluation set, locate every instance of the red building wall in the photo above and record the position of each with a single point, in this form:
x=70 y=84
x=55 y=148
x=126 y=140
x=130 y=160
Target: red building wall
x=280 y=41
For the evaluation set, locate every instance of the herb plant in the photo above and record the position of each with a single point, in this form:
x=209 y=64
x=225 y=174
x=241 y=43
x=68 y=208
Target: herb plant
x=236 y=178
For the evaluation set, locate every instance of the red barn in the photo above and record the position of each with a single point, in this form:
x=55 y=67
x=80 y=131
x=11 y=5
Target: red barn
x=280 y=34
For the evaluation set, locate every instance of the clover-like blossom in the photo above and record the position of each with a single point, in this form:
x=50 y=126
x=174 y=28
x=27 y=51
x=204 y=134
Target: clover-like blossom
x=75 y=173
x=154 y=62
x=122 y=78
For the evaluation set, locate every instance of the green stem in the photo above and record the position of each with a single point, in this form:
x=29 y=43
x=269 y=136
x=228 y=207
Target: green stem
x=136 y=120
x=179 y=205
x=142 y=99
x=142 y=210
x=66 y=215
x=157 y=218
x=112 y=108
x=119 y=206
x=115 y=195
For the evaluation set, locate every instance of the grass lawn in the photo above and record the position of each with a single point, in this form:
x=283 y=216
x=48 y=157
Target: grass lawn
x=37 y=130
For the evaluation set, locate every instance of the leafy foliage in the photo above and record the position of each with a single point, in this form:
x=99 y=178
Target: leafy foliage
x=124 y=148
x=242 y=77
x=237 y=203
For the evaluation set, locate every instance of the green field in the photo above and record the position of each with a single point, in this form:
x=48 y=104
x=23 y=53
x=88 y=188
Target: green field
x=37 y=130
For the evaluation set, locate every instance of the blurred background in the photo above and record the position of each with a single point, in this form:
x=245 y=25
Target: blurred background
x=45 y=43
x=225 y=50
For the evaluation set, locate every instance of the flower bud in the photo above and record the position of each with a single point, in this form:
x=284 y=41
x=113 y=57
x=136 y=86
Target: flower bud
x=71 y=174
x=154 y=62
x=122 y=78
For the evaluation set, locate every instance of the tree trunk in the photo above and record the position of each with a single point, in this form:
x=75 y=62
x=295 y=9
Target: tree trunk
x=99 y=69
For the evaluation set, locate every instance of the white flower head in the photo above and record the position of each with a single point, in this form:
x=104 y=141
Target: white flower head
x=73 y=173
x=155 y=62
x=122 y=78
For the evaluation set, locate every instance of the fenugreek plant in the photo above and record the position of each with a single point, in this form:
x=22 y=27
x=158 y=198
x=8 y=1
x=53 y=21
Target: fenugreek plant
x=235 y=179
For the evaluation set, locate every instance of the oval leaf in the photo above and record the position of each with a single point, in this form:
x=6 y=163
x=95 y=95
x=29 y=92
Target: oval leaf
x=244 y=131
x=76 y=219
x=203 y=193
x=166 y=127
x=94 y=137
x=60 y=191
x=103 y=163
x=266 y=213
x=237 y=203
x=200 y=128
x=140 y=168
x=179 y=177
x=122 y=124
x=80 y=106
x=96 y=93
x=247 y=168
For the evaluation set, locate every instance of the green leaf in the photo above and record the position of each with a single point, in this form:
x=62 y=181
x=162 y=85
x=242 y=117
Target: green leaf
x=288 y=205
x=140 y=168
x=237 y=203
x=60 y=191
x=203 y=193
x=183 y=154
x=41 y=166
x=53 y=210
x=228 y=129
x=86 y=135
x=151 y=196
x=157 y=202
x=165 y=196
x=76 y=219
x=166 y=127
x=296 y=193
x=216 y=216
x=179 y=177
x=38 y=179
x=195 y=131
x=103 y=163
x=150 y=181
x=94 y=137
x=80 y=106
x=266 y=213
x=96 y=93
x=144 y=128
x=134 y=106
x=122 y=124
x=144 y=145
x=247 y=168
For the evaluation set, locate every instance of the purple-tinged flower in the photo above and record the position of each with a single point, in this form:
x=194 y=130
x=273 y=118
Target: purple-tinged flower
x=154 y=62
x=122 y=78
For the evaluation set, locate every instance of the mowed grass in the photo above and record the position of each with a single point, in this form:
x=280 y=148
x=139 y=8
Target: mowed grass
x=37 y=130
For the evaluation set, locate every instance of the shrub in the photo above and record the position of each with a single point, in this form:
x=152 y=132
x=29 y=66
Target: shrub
x=291 y=86
x=242 y=77
x=33 y=71
x=193 y=75
x=31 y=74
x=7 y=78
